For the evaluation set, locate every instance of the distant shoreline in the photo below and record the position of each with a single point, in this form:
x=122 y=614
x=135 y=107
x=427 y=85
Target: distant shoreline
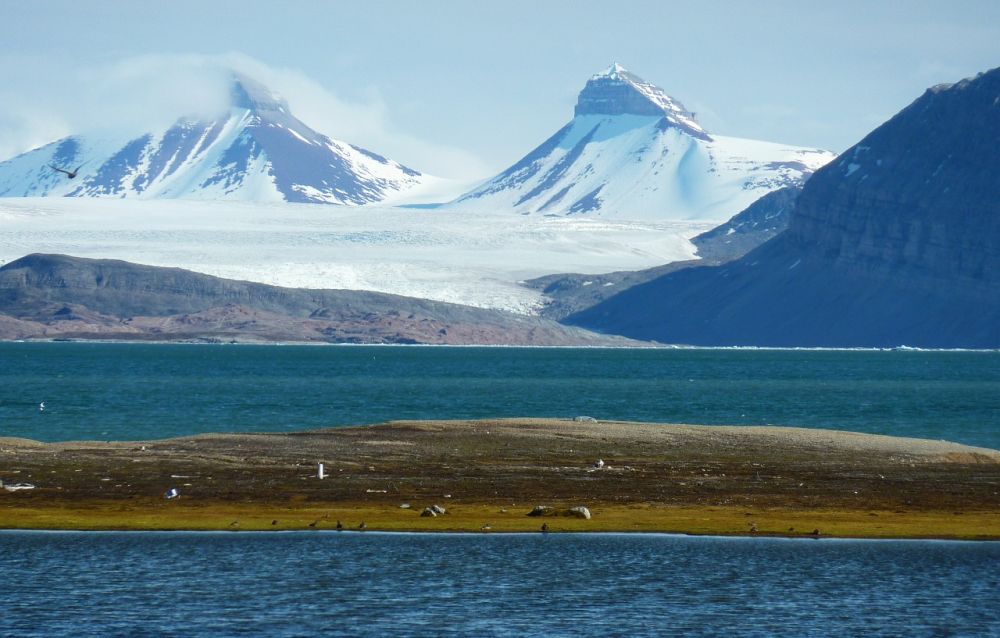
x=650 y=346
x=433 y=533
x=489 y=474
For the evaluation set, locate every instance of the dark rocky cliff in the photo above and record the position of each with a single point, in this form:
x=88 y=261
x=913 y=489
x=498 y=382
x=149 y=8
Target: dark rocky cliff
x=918 y=196
x=895 y=243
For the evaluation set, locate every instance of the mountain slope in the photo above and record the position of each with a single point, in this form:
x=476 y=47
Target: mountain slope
x=46 y=296
x=751 y=227
x=633 y=152
x=569 y=293
x=257 y=151
x=896 y=243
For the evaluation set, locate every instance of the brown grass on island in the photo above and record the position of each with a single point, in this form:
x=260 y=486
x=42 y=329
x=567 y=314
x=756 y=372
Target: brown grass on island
x=489 y=474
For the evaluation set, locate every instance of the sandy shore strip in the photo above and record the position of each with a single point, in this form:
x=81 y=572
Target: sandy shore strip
x=488 y=475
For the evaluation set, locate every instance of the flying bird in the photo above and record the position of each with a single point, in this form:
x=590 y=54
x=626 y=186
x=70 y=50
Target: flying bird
x=69 y=174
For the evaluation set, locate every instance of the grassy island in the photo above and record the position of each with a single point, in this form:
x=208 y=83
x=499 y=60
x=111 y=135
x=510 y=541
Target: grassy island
x=488 y=475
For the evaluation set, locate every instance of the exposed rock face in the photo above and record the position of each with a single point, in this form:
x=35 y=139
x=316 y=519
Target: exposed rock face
x=895 y=243
x=616 y=91
x=45 y=296
x=921 y=193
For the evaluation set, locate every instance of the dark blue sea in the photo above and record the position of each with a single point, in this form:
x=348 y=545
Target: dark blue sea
x=364 y=584
x=140 y=391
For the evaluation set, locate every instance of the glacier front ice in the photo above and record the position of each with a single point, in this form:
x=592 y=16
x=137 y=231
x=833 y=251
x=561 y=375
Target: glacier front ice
x=443 y=255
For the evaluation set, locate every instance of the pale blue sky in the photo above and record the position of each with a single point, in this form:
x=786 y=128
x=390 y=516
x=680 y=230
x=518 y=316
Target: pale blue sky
x=466 y=88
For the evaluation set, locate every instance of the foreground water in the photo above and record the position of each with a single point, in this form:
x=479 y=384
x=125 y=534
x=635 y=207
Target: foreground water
x=293 y=584
x=141 y=391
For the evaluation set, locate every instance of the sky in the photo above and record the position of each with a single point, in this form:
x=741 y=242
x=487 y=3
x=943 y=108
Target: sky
x=464 y=89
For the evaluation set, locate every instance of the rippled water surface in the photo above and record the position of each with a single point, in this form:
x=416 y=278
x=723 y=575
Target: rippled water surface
x=141 y=391
x=137 y=391
x=290 y=584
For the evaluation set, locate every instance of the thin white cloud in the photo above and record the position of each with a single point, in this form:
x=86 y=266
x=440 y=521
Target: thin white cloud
x=152 y=91
x=366 y=123
x=22 y=129
x=149 y=92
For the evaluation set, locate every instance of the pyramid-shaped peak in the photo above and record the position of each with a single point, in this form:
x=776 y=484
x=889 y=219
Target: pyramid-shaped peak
x=617 y=91
x=614 y=72
x=247 y=93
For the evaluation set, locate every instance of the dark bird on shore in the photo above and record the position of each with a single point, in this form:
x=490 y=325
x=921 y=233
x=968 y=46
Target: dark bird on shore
x=362 y=525
x=340 y=526
x=545 y=527
x=70 y=174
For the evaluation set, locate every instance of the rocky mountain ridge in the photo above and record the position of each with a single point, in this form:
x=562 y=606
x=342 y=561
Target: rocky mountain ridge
x=895 y=243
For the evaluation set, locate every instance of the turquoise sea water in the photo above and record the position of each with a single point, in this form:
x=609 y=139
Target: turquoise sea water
x=363 y=584
x=352 y=584
x=142 y=391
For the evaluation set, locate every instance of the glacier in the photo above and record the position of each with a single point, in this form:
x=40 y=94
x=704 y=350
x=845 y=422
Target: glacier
x=451 y=256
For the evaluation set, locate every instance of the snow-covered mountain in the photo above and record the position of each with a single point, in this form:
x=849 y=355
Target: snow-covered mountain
x=257 y=151
x=633 y=152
